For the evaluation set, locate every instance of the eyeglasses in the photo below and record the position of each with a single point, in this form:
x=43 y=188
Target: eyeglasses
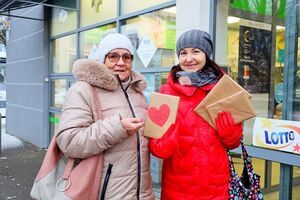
x=114 y=57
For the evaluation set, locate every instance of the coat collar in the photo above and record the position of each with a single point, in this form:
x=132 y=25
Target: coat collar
x=99 y=75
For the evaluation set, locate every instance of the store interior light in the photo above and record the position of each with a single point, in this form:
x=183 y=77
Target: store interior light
x=280 y=27
x=231 y=20
x=170 y=10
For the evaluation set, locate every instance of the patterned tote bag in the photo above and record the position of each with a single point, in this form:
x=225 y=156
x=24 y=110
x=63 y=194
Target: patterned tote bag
x=246 y=186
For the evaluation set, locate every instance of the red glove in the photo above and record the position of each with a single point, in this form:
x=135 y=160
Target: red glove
x=229 y=132
x=164 y=147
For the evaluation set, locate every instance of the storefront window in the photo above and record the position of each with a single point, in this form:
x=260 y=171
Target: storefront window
x=153 y=36
x=62 y=20
x=53 y=120
x=296 y=107
x=154 y=81
x=90 y=39
x=250 y=47
x=58 y=92
x=63 y=54
x=296 y=183
x=92 y=12
x=129 y=6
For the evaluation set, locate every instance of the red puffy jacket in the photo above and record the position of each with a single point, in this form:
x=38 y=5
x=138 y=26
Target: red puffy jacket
x=195 y=162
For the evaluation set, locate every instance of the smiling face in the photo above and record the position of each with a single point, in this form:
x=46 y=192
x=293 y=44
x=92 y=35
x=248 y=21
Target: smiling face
x=121 y=66
x=191 y=59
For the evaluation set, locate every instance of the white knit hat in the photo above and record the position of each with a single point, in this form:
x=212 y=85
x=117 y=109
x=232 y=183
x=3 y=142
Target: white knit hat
x=111 y=42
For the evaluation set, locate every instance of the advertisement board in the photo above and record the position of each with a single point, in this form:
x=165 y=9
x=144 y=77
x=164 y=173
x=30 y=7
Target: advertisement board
x=275 y=134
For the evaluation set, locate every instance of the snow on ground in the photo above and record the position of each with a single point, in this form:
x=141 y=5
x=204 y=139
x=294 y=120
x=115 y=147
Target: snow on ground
x=8 y=141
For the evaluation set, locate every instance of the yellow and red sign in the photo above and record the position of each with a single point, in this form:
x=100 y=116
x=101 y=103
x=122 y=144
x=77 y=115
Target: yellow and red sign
x=275 y=134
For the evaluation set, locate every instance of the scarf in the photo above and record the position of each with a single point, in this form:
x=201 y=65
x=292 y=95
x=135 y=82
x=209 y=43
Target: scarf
x=198 y=78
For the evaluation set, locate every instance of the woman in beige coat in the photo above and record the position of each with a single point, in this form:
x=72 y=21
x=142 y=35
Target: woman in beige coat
x=118 y=135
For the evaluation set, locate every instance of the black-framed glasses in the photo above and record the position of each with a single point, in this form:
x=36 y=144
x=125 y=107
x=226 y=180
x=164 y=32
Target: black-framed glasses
x=115 y=57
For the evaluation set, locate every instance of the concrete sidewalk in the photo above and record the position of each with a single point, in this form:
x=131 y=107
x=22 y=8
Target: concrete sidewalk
x=18 y=168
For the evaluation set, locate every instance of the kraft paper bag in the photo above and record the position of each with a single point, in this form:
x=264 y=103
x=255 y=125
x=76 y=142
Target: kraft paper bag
x=239 y=111
x=161 y=114
x=227 y=95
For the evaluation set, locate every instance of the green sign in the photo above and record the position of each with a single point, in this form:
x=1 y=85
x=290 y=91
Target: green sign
x=263 y=7
x=54 y=120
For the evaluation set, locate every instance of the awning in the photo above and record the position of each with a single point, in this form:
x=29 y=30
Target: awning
x=9 y=5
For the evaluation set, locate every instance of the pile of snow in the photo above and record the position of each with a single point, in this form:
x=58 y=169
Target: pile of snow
x=9 y=142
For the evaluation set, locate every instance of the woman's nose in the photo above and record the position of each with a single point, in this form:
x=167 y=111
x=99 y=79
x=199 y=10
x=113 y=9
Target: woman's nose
x=189 y=57
x=121 y=61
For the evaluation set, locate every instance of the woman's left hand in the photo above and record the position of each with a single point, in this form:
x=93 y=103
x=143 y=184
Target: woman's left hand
x=229 y=132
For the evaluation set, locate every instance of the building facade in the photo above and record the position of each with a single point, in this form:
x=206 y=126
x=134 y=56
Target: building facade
x=256 y=43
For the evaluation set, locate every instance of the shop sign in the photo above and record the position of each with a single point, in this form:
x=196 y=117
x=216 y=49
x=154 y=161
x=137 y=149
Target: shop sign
x=254 y=59
x=146 y=51
x=275 y=134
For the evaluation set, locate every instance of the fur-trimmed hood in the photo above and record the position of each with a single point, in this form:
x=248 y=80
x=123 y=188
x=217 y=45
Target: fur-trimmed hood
x=99 y=75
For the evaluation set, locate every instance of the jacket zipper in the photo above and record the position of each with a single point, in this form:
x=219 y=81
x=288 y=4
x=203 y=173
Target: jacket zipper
x=108 y=172
x=137 y=138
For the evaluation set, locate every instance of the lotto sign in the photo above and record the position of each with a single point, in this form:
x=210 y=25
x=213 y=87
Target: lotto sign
x=277 y=134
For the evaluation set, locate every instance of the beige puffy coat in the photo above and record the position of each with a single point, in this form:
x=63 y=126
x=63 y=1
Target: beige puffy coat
x=80 y=137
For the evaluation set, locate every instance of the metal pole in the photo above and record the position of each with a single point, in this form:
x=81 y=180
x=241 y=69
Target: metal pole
x=0 y=133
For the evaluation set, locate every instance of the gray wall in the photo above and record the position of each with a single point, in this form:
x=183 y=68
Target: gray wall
x=26 y=70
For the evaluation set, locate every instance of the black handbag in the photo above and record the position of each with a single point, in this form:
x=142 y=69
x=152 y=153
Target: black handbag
x=246 y=186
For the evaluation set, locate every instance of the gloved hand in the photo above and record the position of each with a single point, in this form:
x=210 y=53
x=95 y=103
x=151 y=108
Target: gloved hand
x=229 y=132
x=164 y=147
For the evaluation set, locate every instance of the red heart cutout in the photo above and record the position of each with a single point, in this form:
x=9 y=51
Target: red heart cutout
x=159 y=116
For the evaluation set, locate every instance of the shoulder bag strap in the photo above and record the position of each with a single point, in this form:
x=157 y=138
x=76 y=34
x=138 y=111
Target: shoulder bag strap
x=71 y=161
x=97 y=179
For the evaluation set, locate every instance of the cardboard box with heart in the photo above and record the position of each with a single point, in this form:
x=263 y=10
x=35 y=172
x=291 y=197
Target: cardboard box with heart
x=162 y=113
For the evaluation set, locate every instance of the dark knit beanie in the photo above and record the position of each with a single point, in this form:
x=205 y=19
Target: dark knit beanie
x=195 y=39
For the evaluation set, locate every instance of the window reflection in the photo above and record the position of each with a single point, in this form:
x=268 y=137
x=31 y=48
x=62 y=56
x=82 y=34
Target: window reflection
x=64 y=54
x=296 y=183
x=90 y=39
x=245 y=38
x=296 y=106
x=154 y=81
x=153 y=36
x=58 y=92
x=62 y=21
x=129 y=6
x=54 y=121
x=96 y=12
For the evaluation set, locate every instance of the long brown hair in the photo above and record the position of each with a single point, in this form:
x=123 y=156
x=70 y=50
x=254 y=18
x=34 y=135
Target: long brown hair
x=210 y=64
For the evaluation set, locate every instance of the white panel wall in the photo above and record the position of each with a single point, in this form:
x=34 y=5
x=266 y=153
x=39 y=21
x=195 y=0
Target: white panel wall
x=26 y=70
x=194 y=14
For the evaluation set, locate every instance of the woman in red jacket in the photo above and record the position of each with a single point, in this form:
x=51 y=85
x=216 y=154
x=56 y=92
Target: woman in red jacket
x=195 y=162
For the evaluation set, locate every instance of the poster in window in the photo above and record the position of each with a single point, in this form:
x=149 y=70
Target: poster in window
x=255 y=59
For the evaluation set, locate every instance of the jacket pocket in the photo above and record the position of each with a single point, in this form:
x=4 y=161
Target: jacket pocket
x=106 y=179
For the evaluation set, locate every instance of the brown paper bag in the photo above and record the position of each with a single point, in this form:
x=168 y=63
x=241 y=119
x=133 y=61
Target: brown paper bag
x=161 y=114
x=227 y=95
x=239 y=111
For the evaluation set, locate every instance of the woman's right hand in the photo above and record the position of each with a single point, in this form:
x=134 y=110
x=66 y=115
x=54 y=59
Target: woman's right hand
x=132 y=125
